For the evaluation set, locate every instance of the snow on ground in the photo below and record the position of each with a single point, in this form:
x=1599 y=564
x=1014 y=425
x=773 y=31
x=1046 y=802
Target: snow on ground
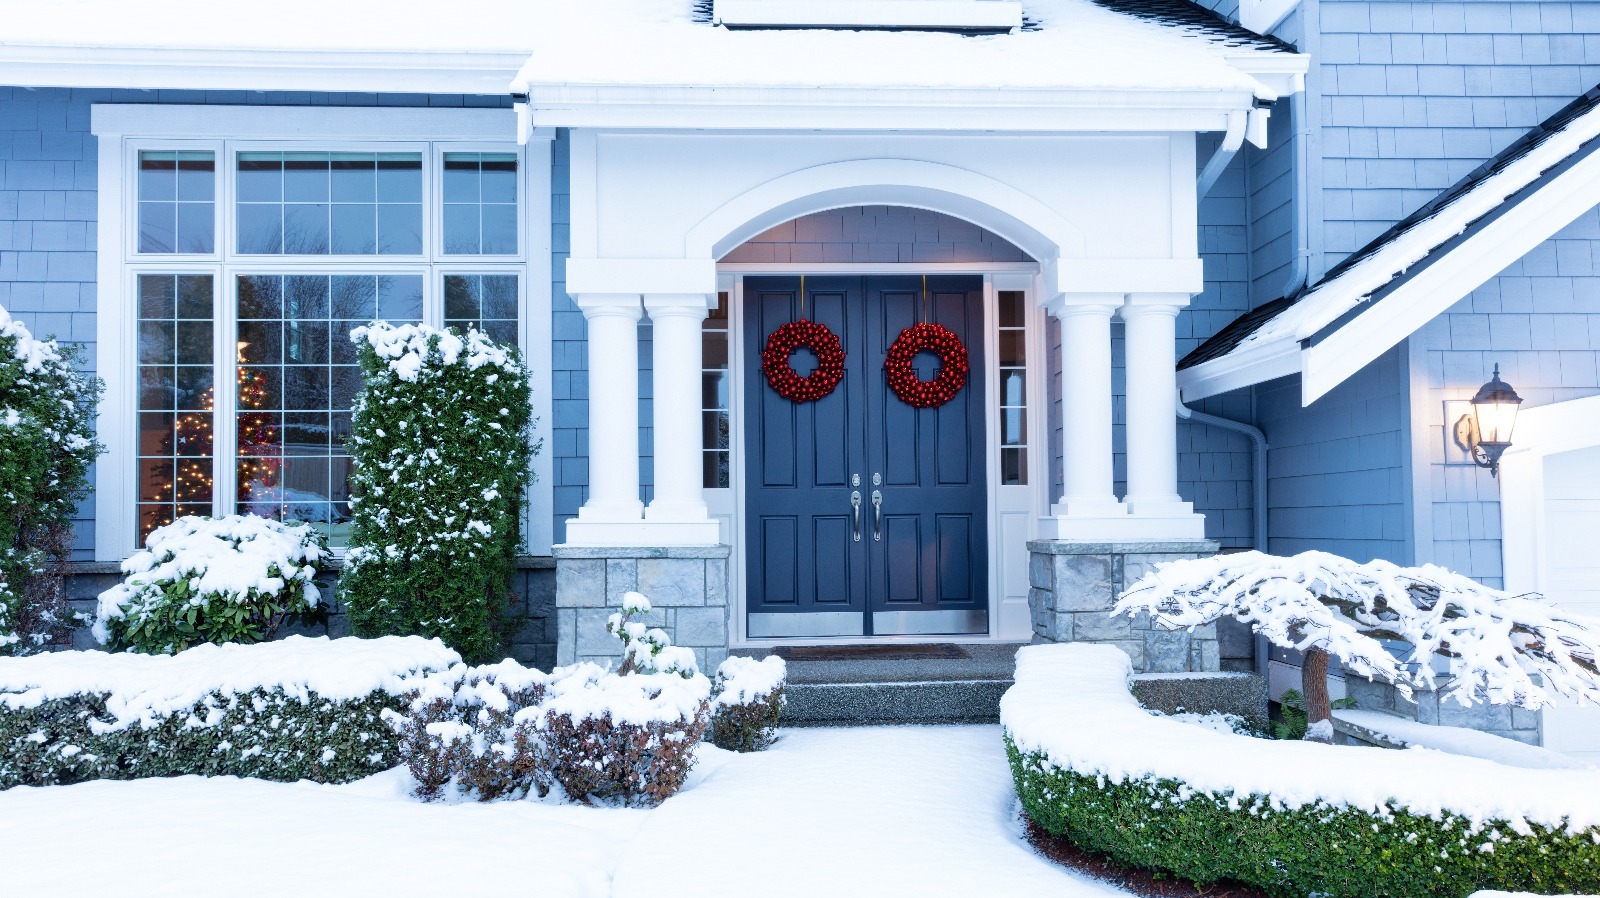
x=924 y=811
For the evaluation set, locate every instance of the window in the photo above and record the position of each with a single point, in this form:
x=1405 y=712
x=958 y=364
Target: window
x=246 y=374
x=714 y=395
x=1013 y=389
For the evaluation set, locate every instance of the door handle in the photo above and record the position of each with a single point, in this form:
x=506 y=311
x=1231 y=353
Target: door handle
x=877 y=515
x=855 y=504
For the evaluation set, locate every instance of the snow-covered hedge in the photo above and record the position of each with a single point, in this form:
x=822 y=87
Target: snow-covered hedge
x=503 y=730
x=1291 y=818
x=294 y=709
x=440 y=450
x=219 y=580
x=46 y=447
x=744 y=715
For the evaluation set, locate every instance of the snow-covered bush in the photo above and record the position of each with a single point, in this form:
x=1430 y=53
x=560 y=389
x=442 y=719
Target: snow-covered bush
x=218 y=580
x=1498 y=647
x=460 y=727
x=1290 y=818
x=744 y=715
x=647 y=649
x=621 y=739
x=293 y=709
x=46 y=447
x=440 y=450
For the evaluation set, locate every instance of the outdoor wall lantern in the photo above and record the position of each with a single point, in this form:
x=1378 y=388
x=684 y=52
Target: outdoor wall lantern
x=1486 y=433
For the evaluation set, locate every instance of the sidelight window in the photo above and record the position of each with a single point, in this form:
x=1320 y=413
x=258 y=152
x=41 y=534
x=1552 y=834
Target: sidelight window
x=714 y=395
x=1013 y=364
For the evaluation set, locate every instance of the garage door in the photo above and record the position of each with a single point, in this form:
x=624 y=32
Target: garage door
x=1571 y=576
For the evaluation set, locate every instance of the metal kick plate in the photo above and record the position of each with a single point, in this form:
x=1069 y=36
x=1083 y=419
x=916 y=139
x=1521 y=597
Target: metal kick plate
x=816 y=623
x=930 y=623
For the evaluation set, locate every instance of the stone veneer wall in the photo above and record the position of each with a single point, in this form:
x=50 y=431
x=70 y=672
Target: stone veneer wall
x=687 y=587
x=1074 y=584
x=1425 y=707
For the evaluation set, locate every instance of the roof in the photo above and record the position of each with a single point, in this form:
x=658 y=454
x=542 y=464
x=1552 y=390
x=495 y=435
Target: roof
x=1427 y=237
x=1067 y=44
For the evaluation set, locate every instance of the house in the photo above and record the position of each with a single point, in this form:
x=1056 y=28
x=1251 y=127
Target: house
x=1276 y=209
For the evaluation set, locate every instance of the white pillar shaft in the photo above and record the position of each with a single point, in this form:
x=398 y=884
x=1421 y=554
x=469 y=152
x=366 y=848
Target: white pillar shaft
x=613 y=345
x=1152 y=428
x=1086 y=409
x=679 y=478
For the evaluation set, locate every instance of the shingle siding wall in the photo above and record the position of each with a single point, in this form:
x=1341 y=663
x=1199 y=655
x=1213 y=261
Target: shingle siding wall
x=1337 y=469
x=1539 y=320
x=49 y=205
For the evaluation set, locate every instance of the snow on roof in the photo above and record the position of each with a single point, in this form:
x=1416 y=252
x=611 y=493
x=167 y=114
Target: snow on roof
x=1423 y=238
x=1068 y=44
x=340 y=25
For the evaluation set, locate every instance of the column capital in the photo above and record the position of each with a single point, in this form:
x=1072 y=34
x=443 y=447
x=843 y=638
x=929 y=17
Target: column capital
x=685 y=305
x=1067 y=304
x=609 y=305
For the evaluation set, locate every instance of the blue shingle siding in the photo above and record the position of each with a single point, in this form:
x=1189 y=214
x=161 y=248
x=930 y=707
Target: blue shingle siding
x=49 y=205
x=1539 y=320
x=1337 y=469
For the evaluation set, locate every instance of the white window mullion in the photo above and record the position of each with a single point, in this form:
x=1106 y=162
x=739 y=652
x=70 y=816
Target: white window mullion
x=226 y=432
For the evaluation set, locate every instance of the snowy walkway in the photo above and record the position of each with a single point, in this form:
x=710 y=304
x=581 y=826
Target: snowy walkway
x=922 y=811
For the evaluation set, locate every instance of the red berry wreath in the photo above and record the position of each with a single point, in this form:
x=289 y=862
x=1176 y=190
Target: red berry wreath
x=781 y=376
x=952 y=376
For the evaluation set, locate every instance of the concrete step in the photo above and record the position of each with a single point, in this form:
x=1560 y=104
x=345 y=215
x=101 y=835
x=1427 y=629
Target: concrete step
x=870 y=704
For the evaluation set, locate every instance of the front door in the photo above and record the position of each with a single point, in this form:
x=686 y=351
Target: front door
x=865 y=516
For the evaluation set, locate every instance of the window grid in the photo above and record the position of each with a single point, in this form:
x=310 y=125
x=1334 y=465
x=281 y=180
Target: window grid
x=177 y=202
x=279 y=444
x=487 y=302
x=176 y=398
x=715 y=446
x=328 y=203
x=1013 y=364
x=479 y=203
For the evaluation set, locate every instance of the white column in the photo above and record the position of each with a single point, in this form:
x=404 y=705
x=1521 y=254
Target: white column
x=613 y=345
x=679 y=498
x=1152 y=405
x=1086 y=406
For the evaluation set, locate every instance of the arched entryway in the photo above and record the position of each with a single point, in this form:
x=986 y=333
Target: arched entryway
x=858 y=515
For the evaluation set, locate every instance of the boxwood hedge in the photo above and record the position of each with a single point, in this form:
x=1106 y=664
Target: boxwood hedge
x=263 y=733
x=1317 y=849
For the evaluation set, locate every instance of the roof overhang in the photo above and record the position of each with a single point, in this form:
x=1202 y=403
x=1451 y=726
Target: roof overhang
x=954 y=15
x=168 y=68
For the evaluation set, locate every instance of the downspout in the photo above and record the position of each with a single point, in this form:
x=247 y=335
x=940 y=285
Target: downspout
x=1258 y=466
x=1300 y=200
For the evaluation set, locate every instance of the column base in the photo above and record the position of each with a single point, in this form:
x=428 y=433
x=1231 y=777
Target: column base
x=642 y=533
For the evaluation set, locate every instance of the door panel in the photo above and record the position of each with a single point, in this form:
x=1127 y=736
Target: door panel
x=927 y=572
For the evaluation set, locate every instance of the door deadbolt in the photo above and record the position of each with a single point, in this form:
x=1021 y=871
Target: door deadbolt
x=855 y=479
x=877 y=479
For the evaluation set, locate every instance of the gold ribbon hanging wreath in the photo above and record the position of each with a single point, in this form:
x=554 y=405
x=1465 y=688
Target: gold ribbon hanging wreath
x=903 y=380
x=781 y=375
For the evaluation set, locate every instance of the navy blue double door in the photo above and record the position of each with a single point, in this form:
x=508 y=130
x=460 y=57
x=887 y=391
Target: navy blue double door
x=864 y=515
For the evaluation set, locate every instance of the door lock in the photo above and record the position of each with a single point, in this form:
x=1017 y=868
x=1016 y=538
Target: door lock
x=877 y=479
x=855 y=479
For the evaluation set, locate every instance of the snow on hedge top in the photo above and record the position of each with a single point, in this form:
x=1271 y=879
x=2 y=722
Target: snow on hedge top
x=1078 y=45
x=36 y=356
x=589 y=690
x=407 y=349
x=146 y=687
x=1457 y=740
x=233 y=556
x=742 y=680
x=1071 y=703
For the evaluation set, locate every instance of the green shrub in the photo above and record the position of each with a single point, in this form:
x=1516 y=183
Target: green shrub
x=219 y=580
x=288 y=710
x=440 y=451
x=749 y=703
x=46 y=447
x=460 y=727
x=1318 y=849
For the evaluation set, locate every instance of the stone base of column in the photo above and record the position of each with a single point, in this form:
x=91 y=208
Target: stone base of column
x=687 y=588
x=1074 y=584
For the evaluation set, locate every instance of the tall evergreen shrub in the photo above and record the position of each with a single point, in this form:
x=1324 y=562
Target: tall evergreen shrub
x=46 y=447
x=440 y=448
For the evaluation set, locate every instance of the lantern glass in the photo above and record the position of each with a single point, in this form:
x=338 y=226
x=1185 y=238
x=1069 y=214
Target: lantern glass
x=1496 y=420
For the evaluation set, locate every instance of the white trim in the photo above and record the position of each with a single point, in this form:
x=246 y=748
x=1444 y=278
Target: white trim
x=537 y=337
x=286 y=124
x=115 y=496
x=1252 y=363
x=989 y=14
x=1540 y=431
x=728 y=505
x=392 y=71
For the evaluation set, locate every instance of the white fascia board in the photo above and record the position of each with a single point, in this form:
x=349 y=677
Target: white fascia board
x=1182 y=276
x=641 y=276
x=170 y=121
x=984 y=14
x=1246 y=366
x=878 y=109
x=1440 y=285
x=1282 y=73
x=479 y=73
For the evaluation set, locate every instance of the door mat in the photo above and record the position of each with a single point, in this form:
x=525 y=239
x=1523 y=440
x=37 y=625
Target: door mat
x=931 y=651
